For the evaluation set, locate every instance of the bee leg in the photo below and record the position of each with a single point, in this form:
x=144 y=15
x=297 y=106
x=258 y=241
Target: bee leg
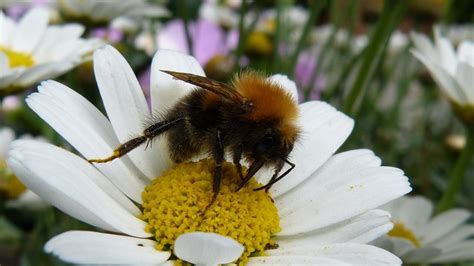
x=275 y=179
x=121 y=150
x=218 y=153
x=148 y=134
x=237 y=157
x=256 y=165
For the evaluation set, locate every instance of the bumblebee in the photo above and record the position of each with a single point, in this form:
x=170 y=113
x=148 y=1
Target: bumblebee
x=252 y=119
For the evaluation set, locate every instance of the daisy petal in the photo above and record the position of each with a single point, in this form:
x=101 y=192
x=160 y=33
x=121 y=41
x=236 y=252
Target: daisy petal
x=293 y=260
x=30 y=30
x=7 y=26
x=465 y=78
x=165 y=90
x=7 y=135
x=456 y=253
x=350 y=253
x=421 y=254
x=27 y=200
x=351 y=179
x=360 y=229
x=446 y=51
x=67 y=111
x=444 y=223
x=456 y=236
x=324 y=129
x=73 y=186
x=415 y=212
x=207 y=248
x=126 y=106
x=444 y=80
x=84 y=247
x=36 y=73
x=286 y=84
x=424 y=46
x=4 y=64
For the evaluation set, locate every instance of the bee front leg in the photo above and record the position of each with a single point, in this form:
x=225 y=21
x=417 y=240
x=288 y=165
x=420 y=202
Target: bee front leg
x=237 y=157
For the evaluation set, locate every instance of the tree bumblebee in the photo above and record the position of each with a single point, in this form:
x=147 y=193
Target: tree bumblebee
x=252 y=119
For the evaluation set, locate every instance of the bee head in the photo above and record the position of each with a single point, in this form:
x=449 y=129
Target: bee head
x=274 y=144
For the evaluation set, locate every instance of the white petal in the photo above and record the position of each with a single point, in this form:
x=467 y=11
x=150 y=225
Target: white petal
x=460 y=252
x=10 y=77
x=458 y=235
x=360 y=229
x=420 y=255
x=293 y=260
x=351 y=253
x=126 y=107
x=27 y=200
x=446 y=52
x=465 y=78
x=4 y=64
x=7 y=135
x=443 y=224
x=324 y=129
x=396 y=245
x=414 y=212
x=442 y=78
x=55 y=37
x=30 y=30
x=73 y=186
x=40 y=72
x=349 y=182
x=466 y=52
x=207 y=248
x=7 y=26
x=98 y=248
x=424 y=46
x=165 y=90
x=87 y=129
x=286 y=84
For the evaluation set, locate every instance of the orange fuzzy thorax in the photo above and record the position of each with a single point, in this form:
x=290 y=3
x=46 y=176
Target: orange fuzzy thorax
x=270 y=101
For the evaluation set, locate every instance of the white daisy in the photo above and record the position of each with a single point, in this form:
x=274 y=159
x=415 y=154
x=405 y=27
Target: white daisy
x=31 y=51
x=452 y=70
x=17 y=195
x=105 y=11
x=420 y=238
x=322 y=212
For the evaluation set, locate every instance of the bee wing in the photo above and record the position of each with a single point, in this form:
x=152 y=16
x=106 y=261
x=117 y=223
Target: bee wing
x=211 y=85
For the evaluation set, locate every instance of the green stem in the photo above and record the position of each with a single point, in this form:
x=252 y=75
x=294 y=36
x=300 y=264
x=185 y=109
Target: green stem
x=184 y=8
x=315 y=10
x=320 y=61
x=390 y=16
x=242 y=35
x=279 y=31
x=456 y=178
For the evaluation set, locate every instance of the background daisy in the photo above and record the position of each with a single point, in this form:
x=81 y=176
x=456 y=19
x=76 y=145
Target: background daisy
x=31 y=50
x=421 y=237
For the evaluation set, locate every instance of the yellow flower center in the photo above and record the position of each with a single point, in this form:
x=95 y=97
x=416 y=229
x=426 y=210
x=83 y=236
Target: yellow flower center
x=401 y=231
x=10 y=186
x=178 y=202
x=259 y=43
x=17 y=59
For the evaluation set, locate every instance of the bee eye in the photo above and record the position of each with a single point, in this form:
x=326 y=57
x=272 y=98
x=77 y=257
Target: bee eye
x=268 y=141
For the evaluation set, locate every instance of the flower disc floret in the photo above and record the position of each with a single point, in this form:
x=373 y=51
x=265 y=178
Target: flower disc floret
x=17 y=59
x=178 y=202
